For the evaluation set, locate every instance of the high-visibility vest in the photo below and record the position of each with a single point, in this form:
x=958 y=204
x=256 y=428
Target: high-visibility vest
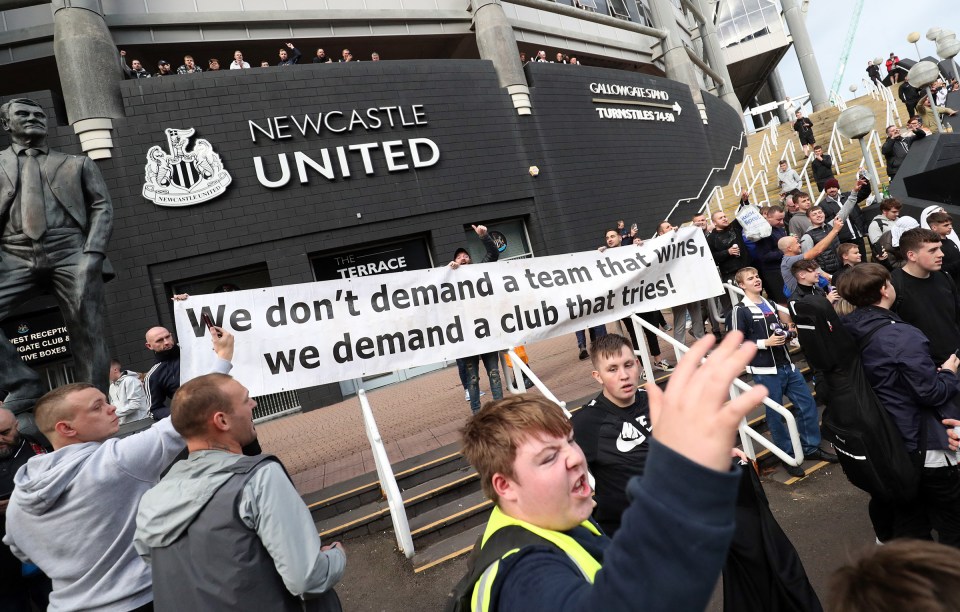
x=584 y=561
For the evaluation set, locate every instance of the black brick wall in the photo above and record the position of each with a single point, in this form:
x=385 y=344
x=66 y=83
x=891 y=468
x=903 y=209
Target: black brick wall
x=592 y=172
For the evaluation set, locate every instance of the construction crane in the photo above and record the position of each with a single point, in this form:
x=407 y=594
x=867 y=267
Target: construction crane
x=847 y=45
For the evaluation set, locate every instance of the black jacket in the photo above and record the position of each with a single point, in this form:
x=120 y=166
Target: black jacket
x=162 y=381
x=908 y=94
x=822 y=169
x=897 y=362
x=895 y=151
x=720 y=242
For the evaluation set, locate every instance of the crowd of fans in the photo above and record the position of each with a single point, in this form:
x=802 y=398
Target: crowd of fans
x=541 y=56
x=287 y=55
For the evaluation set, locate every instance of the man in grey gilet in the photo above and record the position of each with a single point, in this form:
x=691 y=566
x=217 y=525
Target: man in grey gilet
x=223 y=531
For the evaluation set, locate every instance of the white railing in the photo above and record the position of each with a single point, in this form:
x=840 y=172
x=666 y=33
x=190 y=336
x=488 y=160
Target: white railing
x=513 y=379
x=804 y=175
x=748 y=435
x=763 y=187
x=766 y=148
x=746 y=174
x=873 y=140
x=772 y=130
x=837 y=100
x=872 y=90
x=835 y=147
x=789 y=154
x=388 y=483
x=710 y=174
x=893 y=111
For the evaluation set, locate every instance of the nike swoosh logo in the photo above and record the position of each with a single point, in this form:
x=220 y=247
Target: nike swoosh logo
x=630 y=438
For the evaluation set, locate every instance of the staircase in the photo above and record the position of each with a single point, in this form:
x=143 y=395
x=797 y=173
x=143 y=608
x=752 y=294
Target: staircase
x=445 y=506
x=823 y=122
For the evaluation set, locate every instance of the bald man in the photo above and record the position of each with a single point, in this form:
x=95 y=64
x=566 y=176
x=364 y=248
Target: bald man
x=73 y=511
x=223 y=531
x=163 y=379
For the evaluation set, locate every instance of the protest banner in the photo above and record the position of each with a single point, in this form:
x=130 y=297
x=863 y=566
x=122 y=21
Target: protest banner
x=295 y=336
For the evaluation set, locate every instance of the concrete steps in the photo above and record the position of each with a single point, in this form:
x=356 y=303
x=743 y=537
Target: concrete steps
x=823 y=125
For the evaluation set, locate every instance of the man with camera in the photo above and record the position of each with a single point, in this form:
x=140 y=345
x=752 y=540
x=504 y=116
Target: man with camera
x=772 y=367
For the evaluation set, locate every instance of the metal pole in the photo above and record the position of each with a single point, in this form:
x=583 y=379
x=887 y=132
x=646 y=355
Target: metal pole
x=871 y=168
x=933 y=107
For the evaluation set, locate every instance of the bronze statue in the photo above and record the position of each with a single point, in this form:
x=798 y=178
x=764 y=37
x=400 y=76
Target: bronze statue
x=55 y=221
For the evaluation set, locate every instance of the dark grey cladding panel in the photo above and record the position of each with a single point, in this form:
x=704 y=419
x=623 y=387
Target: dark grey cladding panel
x=468 y=117
x=596 y=170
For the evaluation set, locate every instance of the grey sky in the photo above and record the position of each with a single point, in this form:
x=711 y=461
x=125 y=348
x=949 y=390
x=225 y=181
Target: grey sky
x=882 y=29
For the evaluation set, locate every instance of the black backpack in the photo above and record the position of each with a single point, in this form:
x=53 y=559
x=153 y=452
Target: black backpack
x=499 y=544
x=868 y=443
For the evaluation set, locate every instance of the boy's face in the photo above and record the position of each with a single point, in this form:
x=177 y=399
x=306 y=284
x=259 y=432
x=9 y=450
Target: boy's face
x=751 y=282
x=816 y=217
x=550 y=487
x=619 y=375
x=928 y=256
x=943 y=229
x=808 y=278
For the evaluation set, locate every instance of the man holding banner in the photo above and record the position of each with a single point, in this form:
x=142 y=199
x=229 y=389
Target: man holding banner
x=470 y=366
x=296 y=336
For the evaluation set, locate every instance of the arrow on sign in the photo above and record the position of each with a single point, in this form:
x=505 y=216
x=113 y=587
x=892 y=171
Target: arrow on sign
x=675 y=108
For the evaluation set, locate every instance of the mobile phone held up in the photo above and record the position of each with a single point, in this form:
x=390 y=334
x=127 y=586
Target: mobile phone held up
x=209 y=323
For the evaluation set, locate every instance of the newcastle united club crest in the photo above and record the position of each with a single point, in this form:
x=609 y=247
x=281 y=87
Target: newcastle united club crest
x=182 y=176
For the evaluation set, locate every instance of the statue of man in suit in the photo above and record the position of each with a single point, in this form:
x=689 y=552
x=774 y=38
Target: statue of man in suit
x=55 y=222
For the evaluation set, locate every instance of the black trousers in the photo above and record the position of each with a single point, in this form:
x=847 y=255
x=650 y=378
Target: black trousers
x=937 y=507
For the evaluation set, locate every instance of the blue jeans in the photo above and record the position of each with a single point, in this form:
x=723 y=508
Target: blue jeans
x=788 y=381
x=491 y=362
x=596 y=332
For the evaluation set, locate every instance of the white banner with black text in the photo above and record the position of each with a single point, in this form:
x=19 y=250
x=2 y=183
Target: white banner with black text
x=296 y=336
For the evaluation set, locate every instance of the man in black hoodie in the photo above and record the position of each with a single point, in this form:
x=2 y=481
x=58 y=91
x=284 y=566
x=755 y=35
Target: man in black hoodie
x=916 y=391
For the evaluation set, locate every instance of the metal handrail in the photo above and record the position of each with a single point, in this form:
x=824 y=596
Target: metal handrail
x=514 y=375
x=713 y=171
x=837 y=100
x=835 y=146
x=747 y=433
x=388 y=482
x=789 y=153
x=804 y=176
x=772 y=127
x=746 y=166
x=874 y=139
x=891 y=106
x=872 y=89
